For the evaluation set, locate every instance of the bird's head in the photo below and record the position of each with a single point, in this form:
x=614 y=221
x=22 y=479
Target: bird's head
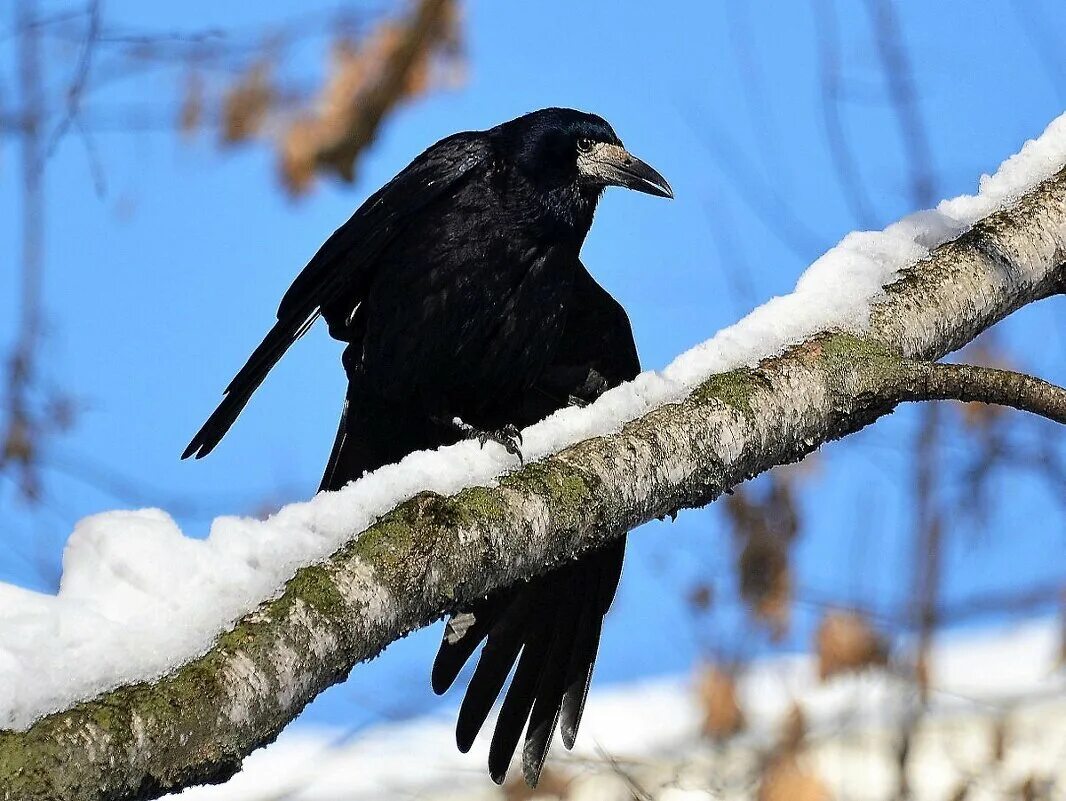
x=560 y=148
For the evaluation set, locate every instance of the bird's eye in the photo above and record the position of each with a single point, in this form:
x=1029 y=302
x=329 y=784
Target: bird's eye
x=584 y=144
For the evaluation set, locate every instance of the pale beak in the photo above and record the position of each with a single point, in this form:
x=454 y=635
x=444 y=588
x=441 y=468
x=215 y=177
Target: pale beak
x=613 y=165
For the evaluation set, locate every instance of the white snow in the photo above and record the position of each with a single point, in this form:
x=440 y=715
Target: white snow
x=137 y=597
x=849 y=715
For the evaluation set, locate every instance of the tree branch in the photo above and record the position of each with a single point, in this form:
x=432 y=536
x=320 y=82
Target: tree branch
x=962 y=382
x=432 y=553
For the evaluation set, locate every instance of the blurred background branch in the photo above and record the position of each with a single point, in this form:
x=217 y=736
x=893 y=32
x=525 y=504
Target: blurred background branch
x=235 y=89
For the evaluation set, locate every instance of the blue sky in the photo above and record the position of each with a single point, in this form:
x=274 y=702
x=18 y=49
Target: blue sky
x=157 y=291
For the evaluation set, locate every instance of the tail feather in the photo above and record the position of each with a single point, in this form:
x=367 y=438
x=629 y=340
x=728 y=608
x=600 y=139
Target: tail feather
x=578 y=681
x=455 y=651
x=551 y=628
x=579 y=668
x=519 y=699
x=538 y=741
x=505 y=640
x=552 y=684
x=246 y=382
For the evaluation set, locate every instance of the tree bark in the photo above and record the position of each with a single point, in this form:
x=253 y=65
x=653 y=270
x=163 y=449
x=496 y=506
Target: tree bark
x=433 y=553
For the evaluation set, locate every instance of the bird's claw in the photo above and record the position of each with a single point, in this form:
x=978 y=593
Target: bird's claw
x=509 y=437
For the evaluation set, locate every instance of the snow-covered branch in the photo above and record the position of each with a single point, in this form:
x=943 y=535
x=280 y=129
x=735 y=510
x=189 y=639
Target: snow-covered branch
x=818 y=378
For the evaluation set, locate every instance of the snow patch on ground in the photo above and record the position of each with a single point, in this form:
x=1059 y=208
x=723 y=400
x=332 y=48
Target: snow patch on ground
x=138 y=597
x=972 y=677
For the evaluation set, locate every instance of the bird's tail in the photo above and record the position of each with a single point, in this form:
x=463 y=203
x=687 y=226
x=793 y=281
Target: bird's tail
x=551 y=628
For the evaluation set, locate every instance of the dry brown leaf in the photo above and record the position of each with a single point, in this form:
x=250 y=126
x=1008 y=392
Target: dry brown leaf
x=366 y=79
x=1034 y=788
x=806 y=469
x=1000 y=738
x=980 y=416
x=921 y=674
x=717 y=693
x=986 y=352
x=764 y=529
x=247 y=103
x=18 y=446
x=451 y=64
x=701 y=596
x=297 y=155
x=786 y=779
x=845 y=641
x=793 y=731
x=191 y=112
x=766 y=583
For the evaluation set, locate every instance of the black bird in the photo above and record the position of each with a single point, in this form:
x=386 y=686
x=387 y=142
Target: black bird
x=466 y=311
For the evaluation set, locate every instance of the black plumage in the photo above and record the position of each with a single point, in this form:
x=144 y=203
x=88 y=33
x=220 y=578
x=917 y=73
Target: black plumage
x=460 y=294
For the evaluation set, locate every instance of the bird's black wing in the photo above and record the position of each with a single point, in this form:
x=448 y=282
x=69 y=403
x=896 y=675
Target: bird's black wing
x=550 y=626
x=345 y=265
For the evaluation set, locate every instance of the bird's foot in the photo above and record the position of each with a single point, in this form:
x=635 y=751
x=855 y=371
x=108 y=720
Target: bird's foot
x=508 y=436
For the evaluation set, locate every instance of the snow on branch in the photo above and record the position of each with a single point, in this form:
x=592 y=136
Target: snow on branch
x=174 y=702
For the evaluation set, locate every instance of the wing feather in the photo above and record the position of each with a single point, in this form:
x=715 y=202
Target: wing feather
x=345 y=265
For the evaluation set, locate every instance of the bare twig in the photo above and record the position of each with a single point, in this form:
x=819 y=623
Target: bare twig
x=929 y=523
x=79 y=82
x=106 y=54
x=844 y=162
x=762 y=197
x=774 y=157
x=901 y=88
x=1045 y=41
x=968 y=383
x=20 y=433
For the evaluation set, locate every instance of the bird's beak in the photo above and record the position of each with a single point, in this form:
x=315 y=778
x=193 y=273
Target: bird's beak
x=613 y=165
